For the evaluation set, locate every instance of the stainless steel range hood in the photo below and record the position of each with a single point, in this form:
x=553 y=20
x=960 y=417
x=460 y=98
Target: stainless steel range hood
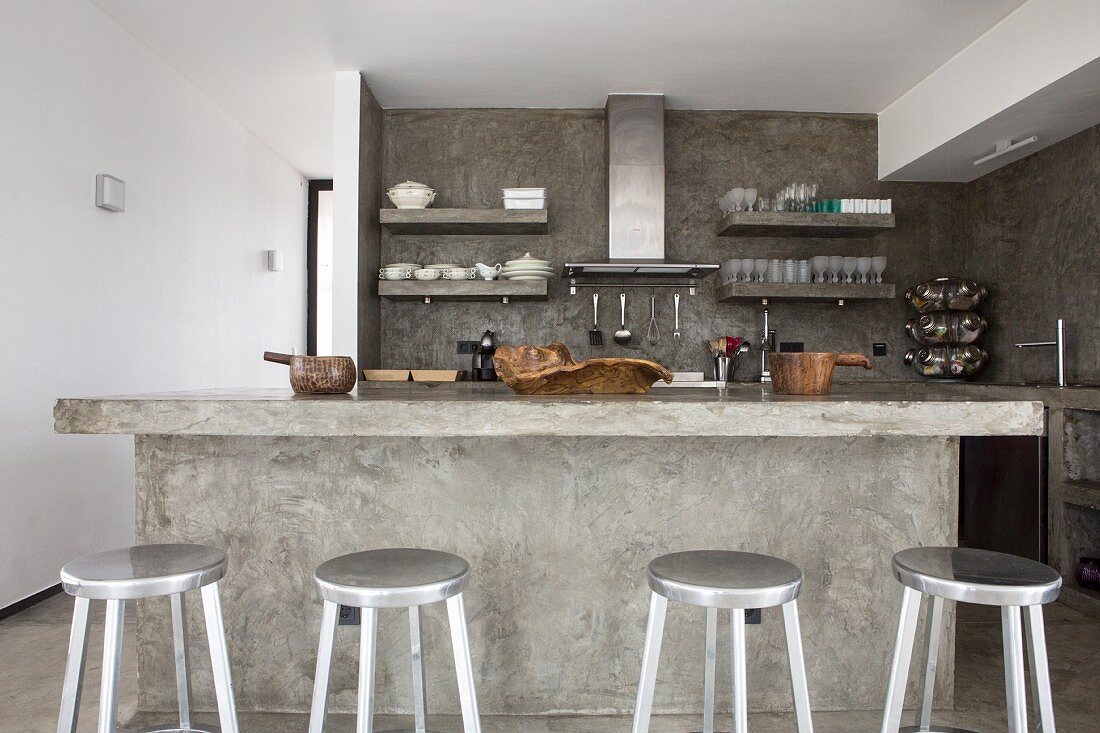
x=636 y=193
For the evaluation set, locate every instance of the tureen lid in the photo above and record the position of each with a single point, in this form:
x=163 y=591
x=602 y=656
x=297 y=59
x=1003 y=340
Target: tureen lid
x=410 y=185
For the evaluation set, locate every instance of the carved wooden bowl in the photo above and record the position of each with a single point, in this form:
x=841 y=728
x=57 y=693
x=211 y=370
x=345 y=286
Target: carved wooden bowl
x=550 y=370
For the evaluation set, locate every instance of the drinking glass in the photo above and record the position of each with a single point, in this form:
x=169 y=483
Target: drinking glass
x=761 y=267
x=878 y=266
x=790 y=271
x=820 y=265
x=780 y=201
x=725 y=204
x=747 y=266
x=803 y=271
x=737 y=196
x=835 y=265
x=863 y=266
x=765 y=204
x=775 y=271
x=750 y=198
x=849 y=267
x=813 y=197
x=803 y=195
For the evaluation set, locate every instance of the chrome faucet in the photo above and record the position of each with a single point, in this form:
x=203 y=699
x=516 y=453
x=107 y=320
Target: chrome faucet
x=1060 y=343
x=767 y=343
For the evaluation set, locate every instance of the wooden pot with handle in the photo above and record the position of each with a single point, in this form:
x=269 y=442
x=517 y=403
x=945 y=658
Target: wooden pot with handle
x=317 y=374
x=809 y=373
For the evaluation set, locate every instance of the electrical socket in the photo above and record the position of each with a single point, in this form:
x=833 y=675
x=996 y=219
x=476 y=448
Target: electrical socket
x=791 y=347
x=878 y=349
x=753 y=615
x=348 y=616
x=467 y=347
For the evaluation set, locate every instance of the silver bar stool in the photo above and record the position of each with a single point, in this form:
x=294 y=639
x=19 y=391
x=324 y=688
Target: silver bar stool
x=718 y=579
x=973 y=576
x=145 y=571
x=393 y=578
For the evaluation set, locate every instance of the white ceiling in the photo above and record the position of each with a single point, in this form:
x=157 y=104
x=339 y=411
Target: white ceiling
x=270 y=63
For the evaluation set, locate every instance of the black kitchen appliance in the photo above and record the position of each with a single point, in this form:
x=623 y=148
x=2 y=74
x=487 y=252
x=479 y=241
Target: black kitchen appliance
x=484 y=369
x=1002 y=502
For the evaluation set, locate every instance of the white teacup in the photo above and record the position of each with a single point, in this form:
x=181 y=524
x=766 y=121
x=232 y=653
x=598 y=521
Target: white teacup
x=426 y=274
x=458 y=273
x=394 y=273
x=488 y=272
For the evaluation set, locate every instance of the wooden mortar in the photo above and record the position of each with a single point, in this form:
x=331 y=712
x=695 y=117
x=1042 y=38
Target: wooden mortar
x=809 y=373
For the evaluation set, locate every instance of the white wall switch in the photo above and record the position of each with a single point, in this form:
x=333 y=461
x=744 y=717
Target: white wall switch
x=110 y=192
x=275 y=260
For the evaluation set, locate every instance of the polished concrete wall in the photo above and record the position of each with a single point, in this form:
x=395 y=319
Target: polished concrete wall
x=468 y=155
x=370 y=238
x=558 y=532
x=1032 y=235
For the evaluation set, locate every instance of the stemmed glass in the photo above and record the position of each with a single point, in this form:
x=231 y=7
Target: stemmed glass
x=863 y=266
x=803 y=196
x=737 y=196
x=819 y=265
x=761 y=267
x=835 y=265
x=849 y=266
x=747 y=266
x=750 y=198
x=878 y=266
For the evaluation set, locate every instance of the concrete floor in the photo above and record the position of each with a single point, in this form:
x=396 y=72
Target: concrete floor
x=33 y=647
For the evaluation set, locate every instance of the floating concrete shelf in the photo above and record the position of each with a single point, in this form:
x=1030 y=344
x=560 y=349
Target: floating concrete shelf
x=802 y=224
x=806 y=292
x=462 y=290
x=464 y=221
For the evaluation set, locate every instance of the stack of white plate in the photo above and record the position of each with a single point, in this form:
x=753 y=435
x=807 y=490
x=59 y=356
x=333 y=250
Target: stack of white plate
x=527 y=268
x=524 y=198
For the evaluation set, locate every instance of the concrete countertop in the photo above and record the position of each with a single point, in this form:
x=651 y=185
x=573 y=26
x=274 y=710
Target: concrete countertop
x=470 y=409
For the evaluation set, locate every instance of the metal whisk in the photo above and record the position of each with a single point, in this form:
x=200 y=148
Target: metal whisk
x=653 y=333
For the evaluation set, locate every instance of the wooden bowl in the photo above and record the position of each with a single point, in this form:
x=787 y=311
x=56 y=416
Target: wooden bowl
x=317 y=374
x=809 y=373
x=551 y=370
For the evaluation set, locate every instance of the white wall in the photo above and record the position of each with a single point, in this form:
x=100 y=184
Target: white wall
x=1034 y=47
x=345 y=221
x=172 y=294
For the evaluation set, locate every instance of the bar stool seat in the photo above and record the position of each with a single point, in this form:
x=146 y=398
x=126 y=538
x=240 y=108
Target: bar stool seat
x=145 y=571
x=723 y=579
x=977 y=576
x=392 y=578
x=1018 y=585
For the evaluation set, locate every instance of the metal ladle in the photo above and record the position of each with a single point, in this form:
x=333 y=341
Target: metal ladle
x=622 y=336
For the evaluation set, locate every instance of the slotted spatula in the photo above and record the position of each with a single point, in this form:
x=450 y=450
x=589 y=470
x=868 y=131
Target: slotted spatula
x=595 y=336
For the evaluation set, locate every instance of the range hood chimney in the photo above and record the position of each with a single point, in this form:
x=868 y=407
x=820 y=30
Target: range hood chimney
x=636 y=193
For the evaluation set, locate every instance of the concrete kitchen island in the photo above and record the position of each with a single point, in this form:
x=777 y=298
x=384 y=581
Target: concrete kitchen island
x=558 y=503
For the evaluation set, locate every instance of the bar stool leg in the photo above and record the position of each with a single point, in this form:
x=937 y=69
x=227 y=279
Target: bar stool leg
x=182 y=657
x=112 y=657
x=1040 y=674
x=319 y=703
x=799 y=689
x=74 y=668
x=654 y=630
x=219 y=658
x=464 y=666
x=1012 y=638
x=931 y=663
x=737 y=671
x=368 y=638
x=708 y=670
x=419 y=688
x=903 y=654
